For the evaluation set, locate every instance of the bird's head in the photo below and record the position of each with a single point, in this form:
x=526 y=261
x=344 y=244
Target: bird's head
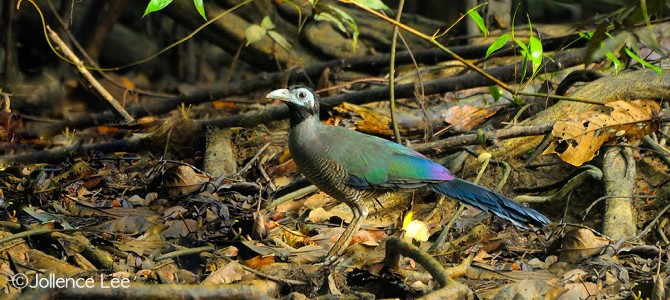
x=302 y=101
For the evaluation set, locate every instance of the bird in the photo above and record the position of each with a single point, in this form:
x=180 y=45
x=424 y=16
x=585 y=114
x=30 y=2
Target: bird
x=353 y=167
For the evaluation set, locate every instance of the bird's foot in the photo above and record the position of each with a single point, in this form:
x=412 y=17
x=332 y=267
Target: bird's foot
x=333 y=255
x=329 y=260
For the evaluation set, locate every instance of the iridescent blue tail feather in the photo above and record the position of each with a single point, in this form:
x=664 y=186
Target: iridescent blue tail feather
x=489 y=201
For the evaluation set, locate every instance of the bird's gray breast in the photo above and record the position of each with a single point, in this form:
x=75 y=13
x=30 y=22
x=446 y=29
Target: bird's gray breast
x=324 y=173
x=314 y=148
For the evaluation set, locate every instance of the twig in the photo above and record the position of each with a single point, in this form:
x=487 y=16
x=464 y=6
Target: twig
x=567 y=206
x=118 y=109
x=442 y=238
x=181 y=163
x=546 y=141
x=590 y=172
x=432 y=41
x=272 y=277
x=265 y=174
x=248 y=165
x=473 y=138
x=588 y=209
x=293 y=195
x=656 y=146
x=651 y=224
x=659 y=230
x=34 y=232
x=183 y=252
x=507 y=170
x=92 y=62
x=421 y=96
x=394 y=43
x=461 y=268
x=77 y=150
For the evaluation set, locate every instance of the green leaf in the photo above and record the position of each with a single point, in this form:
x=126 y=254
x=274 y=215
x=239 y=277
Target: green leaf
x=593 y=46
x=497 y=44
x=201 y=8
x=586 y=35
x=535 y=48
x=496 y=93
x=345 y=17
x=518 y=101
x=267 y=23
x=524 y=48
x=617 y=63
x=156 y=5
x=339 y=18
x=374 y=4
x=328 y=17
x=254 y=33
x=474 y=15
x=349 y=21
x=612 y=44
x=643 y=62
x=279 y=39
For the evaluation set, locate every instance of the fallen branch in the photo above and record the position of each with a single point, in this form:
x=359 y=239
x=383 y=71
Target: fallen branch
x=310 y=74
x=507 y=73
x=136 y=143
x=449 y=288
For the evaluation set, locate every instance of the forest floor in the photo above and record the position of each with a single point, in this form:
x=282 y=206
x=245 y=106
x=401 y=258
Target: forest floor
x=195 y=194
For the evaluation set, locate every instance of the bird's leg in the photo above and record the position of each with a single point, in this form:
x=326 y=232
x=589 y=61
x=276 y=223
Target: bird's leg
x=360 y=214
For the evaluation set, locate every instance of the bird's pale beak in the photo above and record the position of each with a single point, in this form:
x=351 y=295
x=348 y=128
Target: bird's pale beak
x=280 y=94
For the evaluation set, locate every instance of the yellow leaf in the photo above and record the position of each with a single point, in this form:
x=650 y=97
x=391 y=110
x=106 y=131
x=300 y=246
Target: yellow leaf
x=416 y=230
x=407 y=219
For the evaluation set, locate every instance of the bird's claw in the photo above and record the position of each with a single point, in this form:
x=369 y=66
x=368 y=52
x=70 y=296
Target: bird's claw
x=327 y=261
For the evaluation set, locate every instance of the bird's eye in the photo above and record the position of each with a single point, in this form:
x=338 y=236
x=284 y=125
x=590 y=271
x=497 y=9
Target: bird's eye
x=302 y=95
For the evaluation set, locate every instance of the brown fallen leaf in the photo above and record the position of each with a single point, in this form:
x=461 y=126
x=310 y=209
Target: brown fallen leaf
x=531 y=288
x=368 y=237
x=258 y=261
x=371 y=121
x=230 y=273
x=180 y=228
x=577 y=139
x=468 y=117
x=182 y=180
x=581 y=290
x=579 y=244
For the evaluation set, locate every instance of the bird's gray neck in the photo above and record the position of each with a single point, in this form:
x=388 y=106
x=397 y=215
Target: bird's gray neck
x=299 y=115
x=304 y=128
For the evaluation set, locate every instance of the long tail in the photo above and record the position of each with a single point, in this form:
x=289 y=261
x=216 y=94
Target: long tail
x=489 y=201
